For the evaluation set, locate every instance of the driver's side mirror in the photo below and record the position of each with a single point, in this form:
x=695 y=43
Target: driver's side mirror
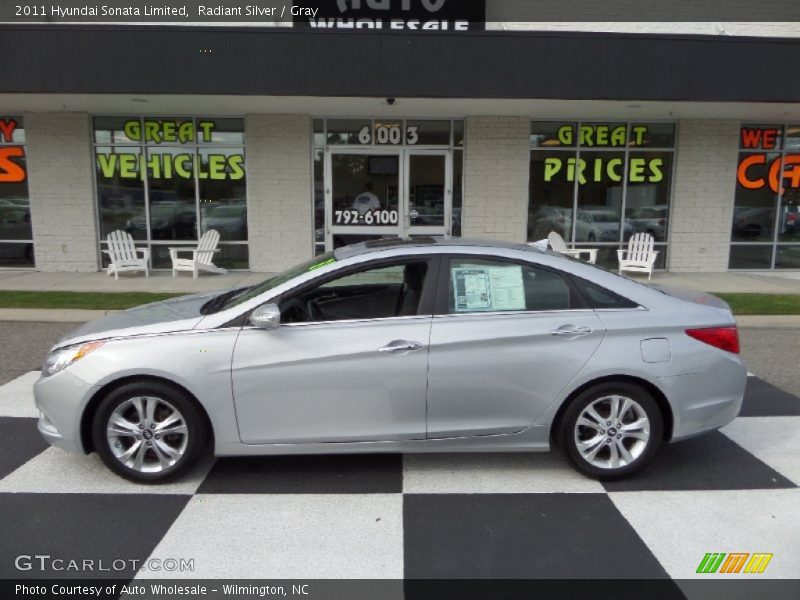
x=266 y=316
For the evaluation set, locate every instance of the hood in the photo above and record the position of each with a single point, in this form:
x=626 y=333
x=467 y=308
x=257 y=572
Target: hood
x=175 y=314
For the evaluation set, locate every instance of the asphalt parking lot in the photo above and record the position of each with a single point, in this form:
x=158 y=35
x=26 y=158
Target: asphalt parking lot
x=418 y=516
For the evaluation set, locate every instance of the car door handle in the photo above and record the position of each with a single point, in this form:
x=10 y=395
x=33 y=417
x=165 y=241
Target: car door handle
x=400 y=346
x=571 y=331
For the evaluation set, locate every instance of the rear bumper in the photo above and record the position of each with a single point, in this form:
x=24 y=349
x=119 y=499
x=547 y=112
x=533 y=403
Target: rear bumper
x=708 y=400
x=61 y=400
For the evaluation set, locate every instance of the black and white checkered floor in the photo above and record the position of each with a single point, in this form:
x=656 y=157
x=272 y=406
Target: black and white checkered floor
x=415 y=516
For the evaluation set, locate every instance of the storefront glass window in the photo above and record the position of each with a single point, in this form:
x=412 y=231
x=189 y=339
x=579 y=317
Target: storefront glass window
x=319 y=202
x=598 y=183
x=435 y=133
x=766 y=215
x=347 y=131
x=16 y=235
x=168 y=181
x=458 y=191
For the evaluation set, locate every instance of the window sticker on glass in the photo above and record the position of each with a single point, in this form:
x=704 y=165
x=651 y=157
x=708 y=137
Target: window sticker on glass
x=508 y=291
x=488 y=288
x=471 y=288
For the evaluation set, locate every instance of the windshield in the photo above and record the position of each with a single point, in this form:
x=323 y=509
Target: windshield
x=249 y=293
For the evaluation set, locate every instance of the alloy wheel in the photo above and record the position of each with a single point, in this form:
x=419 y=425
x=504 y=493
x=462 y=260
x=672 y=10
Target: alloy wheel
x=147 y=434
x=612 y=432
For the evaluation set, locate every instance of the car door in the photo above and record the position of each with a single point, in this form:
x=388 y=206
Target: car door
x=348 y=364
x=507 y=338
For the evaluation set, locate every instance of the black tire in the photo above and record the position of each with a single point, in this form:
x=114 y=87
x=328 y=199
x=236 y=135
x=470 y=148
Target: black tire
x=566 y=433
x=198 y=431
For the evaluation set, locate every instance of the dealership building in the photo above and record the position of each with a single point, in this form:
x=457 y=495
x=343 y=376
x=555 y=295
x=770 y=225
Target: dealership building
x=294 y=139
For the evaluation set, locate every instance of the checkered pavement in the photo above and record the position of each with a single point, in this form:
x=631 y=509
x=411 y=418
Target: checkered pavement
x=415 y=516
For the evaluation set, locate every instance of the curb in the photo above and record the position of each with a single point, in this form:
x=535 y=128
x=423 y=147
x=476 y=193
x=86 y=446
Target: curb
x=53 y=315
x=768 y=321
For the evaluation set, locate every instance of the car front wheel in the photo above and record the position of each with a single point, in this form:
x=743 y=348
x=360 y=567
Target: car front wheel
x=149 y=431
x=611 y=430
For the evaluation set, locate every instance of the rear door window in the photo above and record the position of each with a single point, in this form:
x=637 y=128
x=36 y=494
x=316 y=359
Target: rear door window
x=484 y=285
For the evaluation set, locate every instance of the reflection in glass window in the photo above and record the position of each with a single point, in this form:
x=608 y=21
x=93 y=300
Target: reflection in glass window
x=346 y=131
x=365 y=187
x=223 y=203
x=112 y=130
x=319 y=132
x=319 y=202
x=750 y=256
x=593 y=184
x=458 y=134
x=551 y=134
x=551 y=194
x=458 y=191
x=427 y=132
x=647 y=194
x=652 y=135
x=120 y=191
x=754 y=204
x=220 y=131
x=365 y=193
x=766 y=214
x=172 y=195
x=16 y=235
x=426 y=175
x=600 y=179
x=157 y=176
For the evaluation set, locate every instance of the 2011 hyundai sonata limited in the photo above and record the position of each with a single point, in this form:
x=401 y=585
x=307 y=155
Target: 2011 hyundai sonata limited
x=415 y=345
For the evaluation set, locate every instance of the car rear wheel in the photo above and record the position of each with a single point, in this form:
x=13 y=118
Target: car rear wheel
x=611 y=430
x=149 y=431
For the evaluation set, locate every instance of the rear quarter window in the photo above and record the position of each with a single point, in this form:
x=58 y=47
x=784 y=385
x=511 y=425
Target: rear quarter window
x=598 y=297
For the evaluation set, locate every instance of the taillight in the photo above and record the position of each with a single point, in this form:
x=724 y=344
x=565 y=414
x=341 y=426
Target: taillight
x=724 y=338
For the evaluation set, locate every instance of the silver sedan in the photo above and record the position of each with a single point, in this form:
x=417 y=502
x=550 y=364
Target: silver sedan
x=416 y=345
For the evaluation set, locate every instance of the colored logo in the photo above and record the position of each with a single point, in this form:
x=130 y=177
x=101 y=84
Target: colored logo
x=734 y=562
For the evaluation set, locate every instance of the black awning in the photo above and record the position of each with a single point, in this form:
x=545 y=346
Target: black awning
x=301 y=62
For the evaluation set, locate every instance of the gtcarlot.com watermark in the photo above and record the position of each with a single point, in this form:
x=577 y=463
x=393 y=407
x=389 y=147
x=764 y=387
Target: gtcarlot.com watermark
x=47 y=563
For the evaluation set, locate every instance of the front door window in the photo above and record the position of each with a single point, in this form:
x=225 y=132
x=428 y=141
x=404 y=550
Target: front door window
x=376 y=293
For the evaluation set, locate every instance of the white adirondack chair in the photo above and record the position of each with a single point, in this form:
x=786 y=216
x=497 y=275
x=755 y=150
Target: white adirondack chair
x=639 y=256
x=202 y=256
x=124 y=255
x=558 y=244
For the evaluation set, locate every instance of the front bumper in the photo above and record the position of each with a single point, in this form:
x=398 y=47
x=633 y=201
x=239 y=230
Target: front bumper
x=61 y=400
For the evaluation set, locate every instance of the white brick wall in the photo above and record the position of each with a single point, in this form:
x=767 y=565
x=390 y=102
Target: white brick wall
x=496 y=157
x=278 y=190
x=60 y=183
x=702 y=199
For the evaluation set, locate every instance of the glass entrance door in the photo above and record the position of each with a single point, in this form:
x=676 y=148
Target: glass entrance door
x=375 y=193
x=362 y=196
x=428 y=196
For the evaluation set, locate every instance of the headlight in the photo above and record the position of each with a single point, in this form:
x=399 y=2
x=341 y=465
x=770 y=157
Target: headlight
x=64 y=357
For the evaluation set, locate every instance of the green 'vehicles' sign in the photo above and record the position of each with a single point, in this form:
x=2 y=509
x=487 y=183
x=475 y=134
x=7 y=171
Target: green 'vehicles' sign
x=167 y=163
